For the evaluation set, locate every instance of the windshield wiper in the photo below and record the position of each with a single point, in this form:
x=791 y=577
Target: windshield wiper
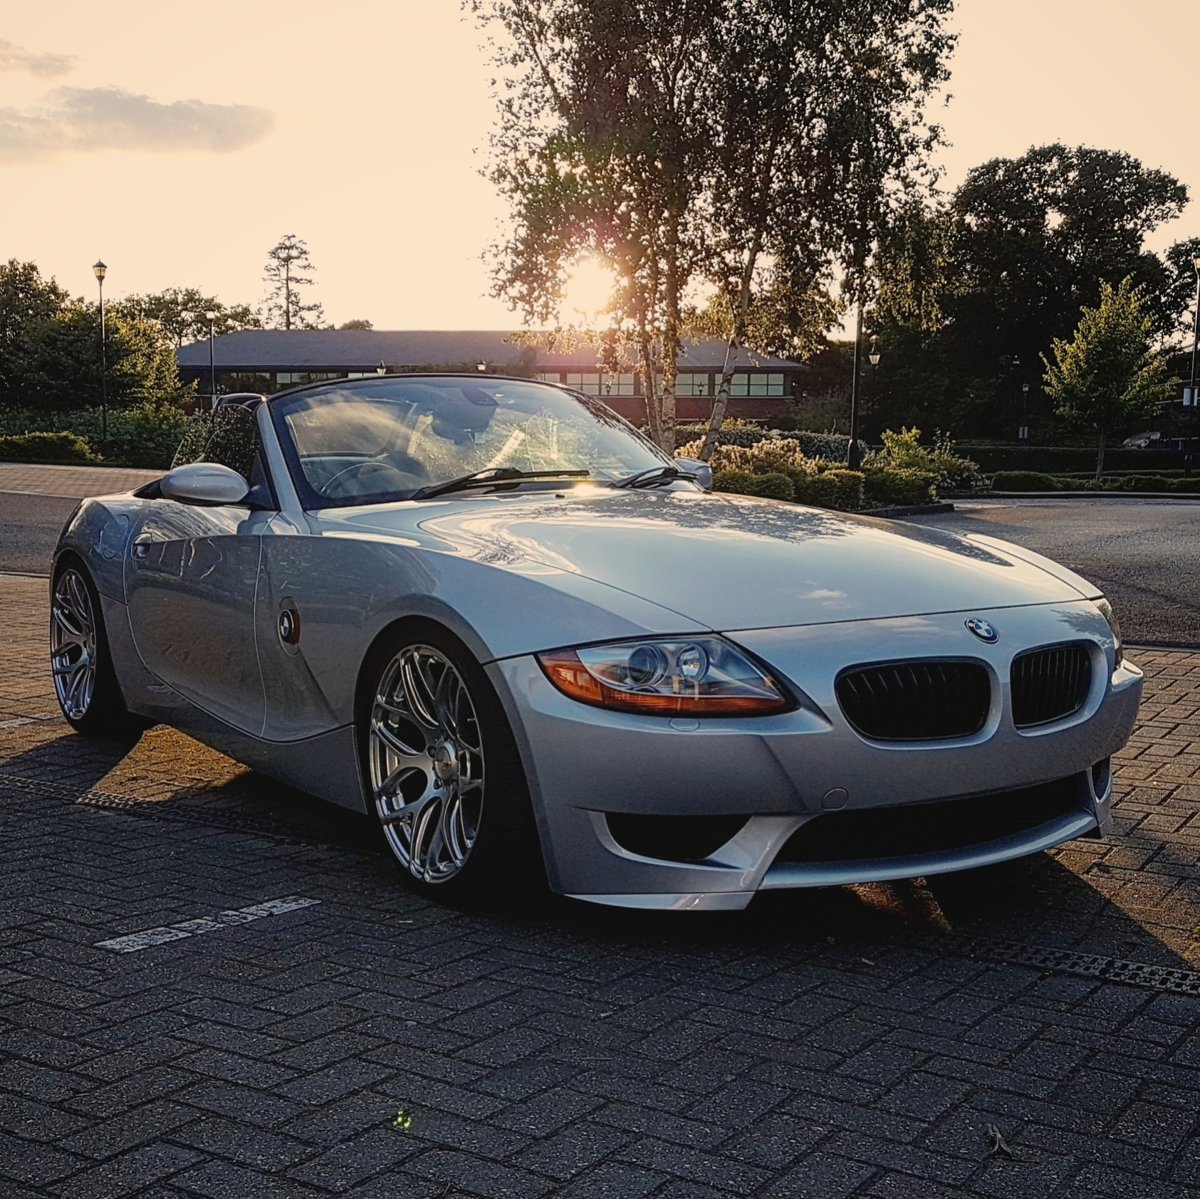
x=653 y=476
x=493 y=474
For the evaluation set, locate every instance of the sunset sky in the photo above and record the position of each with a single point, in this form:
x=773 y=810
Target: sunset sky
x=179 y=142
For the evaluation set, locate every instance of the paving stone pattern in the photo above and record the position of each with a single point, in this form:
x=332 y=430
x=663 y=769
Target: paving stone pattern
x=74 y=482
x=869 y=1041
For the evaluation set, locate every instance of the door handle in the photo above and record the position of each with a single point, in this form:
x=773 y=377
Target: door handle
x=141 y=546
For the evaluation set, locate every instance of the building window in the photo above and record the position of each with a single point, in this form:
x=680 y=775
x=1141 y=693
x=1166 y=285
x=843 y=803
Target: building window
x=690 y=383
x=589 y=382
x=757 y=384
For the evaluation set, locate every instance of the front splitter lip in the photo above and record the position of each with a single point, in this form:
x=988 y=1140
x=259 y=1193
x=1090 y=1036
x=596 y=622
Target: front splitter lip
x=787 y=876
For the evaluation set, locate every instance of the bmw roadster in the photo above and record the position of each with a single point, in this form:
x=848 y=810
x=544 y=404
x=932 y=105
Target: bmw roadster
x=493 y=616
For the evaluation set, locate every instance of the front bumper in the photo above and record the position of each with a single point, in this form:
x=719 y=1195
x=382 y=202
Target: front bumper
x=779 y=773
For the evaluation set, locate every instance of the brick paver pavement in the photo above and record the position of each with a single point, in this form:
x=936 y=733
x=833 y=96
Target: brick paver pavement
x=964 y=1036
x=72 y=482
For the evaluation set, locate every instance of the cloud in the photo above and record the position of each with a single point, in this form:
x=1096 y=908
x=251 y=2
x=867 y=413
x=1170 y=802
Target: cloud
x=17 y=58
x=109 y=118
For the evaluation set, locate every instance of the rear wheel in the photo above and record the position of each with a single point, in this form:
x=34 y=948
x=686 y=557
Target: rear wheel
x=85 y=683
x=444 y=778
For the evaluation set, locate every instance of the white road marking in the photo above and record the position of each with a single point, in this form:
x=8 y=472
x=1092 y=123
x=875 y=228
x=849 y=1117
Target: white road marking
x=149 y=937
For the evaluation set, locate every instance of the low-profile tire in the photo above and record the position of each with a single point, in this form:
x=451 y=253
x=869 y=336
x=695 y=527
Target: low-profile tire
x=441 y=771
x=85 y=683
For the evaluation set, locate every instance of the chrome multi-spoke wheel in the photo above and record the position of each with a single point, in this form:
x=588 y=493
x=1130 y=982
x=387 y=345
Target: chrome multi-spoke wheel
x=426 y=763
x=73 y=644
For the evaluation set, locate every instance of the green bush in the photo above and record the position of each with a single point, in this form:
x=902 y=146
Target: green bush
x=903 y=450
x=146 y=435
x=899 y=485
x=1023 y=480
x=836 y=488
x=779 y=455
x=46 y=447
x=832 y=447
x=772 y=486
x=733 y=432
x=1184 y=485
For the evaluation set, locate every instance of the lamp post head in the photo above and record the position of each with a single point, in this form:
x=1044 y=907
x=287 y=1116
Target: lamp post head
x=210 y=316
x=873 y=354
x=381 y=369
x=99 y=270
x=481 y=365
x=1025 y=388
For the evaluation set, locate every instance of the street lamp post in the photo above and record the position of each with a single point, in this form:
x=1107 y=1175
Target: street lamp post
x=873 y=359
x=853 y=449
x=211 y=317
x=1192 y=396
x=100 y=270
x=1023 y=431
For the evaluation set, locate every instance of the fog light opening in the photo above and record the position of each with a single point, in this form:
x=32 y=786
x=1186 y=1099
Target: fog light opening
x=673 y=838
x=1102 y=778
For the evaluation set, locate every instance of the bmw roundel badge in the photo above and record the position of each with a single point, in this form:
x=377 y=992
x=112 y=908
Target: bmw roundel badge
x=983 y=630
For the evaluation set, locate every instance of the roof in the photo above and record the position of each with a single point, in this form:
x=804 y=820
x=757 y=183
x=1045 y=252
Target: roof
x=365 y=349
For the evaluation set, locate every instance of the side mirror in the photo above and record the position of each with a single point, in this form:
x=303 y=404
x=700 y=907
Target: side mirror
x=204 y=483
x=701 y=470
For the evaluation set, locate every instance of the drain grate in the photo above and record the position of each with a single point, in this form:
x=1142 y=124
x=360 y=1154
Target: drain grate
x=1173 y=979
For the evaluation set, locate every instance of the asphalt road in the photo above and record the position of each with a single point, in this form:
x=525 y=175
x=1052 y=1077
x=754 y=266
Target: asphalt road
x=1144 y=554
x=29 y=528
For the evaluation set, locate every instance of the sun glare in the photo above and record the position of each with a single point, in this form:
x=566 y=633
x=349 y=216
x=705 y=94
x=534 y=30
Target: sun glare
x=587 y=292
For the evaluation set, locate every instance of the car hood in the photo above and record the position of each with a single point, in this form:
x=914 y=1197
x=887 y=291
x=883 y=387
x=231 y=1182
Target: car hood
x=723 y=561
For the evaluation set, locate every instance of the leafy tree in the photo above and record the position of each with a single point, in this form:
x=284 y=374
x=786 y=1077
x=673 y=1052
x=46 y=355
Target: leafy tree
x=287 y=271
x=1108 y=372
x=27 y=303
x=746 y=146
x=181 y=312
x=971 y=292
x=1179 y=292
x=357 y=324
x=65 y=360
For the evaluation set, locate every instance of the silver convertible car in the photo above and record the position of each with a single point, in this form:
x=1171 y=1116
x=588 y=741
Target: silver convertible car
x=493 y=616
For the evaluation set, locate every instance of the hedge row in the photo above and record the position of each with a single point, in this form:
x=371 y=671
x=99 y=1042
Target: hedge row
x=46 y=447
x=831 y=446
x=1031 y=480
x=1060 y=460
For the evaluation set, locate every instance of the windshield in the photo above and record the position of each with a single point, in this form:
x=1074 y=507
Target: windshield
x=386 y=439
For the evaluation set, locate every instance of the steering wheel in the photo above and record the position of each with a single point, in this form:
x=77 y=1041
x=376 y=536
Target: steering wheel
x=399 y=479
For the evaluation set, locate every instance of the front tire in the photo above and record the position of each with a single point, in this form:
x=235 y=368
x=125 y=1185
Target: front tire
x=443 y=776
x=85 y=683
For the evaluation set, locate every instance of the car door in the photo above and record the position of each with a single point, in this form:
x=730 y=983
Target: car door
x=191 y=579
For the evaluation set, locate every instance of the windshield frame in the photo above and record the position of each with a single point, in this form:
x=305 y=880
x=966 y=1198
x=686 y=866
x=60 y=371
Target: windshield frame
x=311 y=500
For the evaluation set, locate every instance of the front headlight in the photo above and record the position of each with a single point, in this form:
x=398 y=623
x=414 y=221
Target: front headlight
x=1109 y=615
x=684 y=676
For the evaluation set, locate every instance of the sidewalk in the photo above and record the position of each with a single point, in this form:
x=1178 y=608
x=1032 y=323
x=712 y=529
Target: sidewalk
x=71 y=482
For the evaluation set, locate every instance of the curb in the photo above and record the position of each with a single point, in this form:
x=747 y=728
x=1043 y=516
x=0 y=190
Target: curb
x=1185 y=497
x=909 y=510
